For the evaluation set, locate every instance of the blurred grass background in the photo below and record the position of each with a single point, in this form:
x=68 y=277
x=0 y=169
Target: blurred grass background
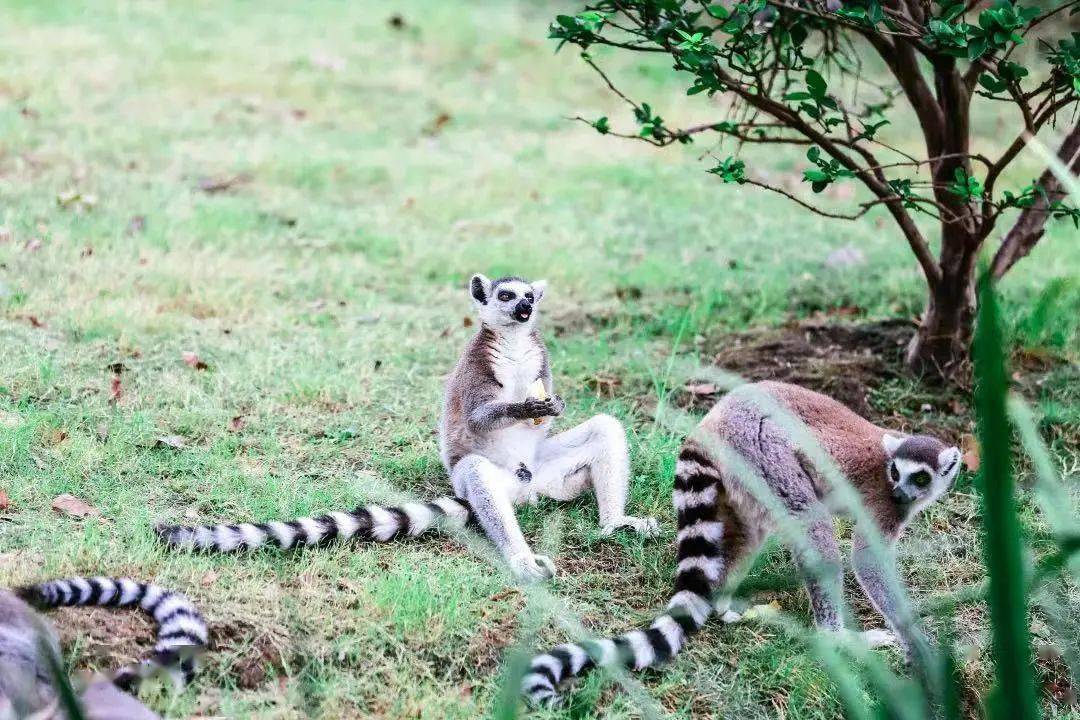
x=297 y=194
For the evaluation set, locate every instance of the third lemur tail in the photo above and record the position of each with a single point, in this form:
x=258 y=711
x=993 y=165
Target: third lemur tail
x=181 y=631
x=703 y=513
x=373 y=523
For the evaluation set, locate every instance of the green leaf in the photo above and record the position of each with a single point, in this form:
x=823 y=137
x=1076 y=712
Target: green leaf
x=816 y=176
x=1014 y=695
x=718 y=11
x=976 y=49
x=816 y=83
x=992 y=84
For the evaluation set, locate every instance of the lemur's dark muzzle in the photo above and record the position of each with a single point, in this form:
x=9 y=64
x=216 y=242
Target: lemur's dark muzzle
x=901 y=497
x=523 y=310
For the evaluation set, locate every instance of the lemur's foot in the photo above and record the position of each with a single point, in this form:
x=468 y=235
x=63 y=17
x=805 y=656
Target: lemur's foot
x=878 y=638
x=730 y=617
x=648 y=527
x=531 y=568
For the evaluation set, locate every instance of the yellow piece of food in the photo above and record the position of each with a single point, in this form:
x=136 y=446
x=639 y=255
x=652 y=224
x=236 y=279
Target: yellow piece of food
x=538 y=391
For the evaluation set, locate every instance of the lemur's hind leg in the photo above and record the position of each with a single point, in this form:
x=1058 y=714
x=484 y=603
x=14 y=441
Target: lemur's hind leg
x=822 y=572
x=769 y=447
x=490 y=490
x=592 y=454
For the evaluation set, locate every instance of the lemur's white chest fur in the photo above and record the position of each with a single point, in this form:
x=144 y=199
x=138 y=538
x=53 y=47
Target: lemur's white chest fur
x=516 y=360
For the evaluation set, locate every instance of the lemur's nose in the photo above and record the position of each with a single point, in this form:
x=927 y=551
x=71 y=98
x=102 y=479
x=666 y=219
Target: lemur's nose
x=523 y=309
x=901 y=496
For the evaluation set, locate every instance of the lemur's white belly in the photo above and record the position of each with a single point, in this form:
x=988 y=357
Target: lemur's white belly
x=516 y=445
x=516 y=363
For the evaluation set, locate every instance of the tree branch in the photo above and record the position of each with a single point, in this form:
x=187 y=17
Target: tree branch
x=1029 y=226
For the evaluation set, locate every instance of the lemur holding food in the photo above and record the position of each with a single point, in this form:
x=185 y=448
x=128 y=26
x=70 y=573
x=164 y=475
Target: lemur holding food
x=27 y=681
x=721 y=524
x=494 y=440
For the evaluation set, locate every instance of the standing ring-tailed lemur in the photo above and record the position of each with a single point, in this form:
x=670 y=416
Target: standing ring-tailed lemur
x=497 y=412
x=27 y=682
x=721 y=524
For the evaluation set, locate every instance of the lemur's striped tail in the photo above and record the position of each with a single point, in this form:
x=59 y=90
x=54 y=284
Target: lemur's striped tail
x=181 y=632
x=700 y=502
x=371 y=522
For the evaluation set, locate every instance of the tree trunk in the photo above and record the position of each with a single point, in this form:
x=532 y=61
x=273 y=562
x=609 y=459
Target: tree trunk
x=940 y=348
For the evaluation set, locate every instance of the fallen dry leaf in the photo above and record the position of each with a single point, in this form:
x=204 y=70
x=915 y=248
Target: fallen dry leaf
x=701 y=389
x=237 y=423
x=77 y=201
x=5 y=501
x=174 y=441
x=466 y=321
x=209 y=578
x=217 y=184
x=603 y=385
x=74 y=507
x=33 y=244
x=136 y=225
x=437 y=124
x=969 y=446
x=115 y=389
x=193 y=361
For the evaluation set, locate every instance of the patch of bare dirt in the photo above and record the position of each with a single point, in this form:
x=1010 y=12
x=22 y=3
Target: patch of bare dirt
x=108 y=638
x=842 y=361
x=259 y=659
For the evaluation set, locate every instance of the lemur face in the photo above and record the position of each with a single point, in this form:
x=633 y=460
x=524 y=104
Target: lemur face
x=921 y=469
x=507 y=302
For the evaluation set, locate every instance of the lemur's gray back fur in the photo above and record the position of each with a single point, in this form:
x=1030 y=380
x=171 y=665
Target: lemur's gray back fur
x=720 y=522
x=26 y=680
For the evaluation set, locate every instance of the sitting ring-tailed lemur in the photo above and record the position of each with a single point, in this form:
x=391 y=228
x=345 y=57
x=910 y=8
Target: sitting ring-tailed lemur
x=721 y=524
x=27 y=683
x=494 y=442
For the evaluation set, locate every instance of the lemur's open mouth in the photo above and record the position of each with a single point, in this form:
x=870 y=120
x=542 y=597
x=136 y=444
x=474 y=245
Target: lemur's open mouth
x=522 y=314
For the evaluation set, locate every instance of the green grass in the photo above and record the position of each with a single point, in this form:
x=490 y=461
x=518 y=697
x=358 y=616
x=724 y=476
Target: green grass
x=326 y=293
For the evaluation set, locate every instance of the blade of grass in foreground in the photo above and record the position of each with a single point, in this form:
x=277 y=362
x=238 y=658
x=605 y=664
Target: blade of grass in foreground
x=1014 y=697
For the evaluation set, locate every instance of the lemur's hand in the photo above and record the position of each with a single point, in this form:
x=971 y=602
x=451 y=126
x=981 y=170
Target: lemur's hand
x=534 y=408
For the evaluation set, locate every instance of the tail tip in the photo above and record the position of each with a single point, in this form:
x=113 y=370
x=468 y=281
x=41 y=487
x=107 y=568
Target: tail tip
x=174 y=535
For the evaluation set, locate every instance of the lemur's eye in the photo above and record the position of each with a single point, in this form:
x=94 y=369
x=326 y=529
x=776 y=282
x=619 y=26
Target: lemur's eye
x=894 y=473
x=506 y=295
x=921 y=478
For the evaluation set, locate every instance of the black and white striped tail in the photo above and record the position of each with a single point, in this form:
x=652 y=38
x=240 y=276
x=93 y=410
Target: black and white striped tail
x=697 y=496
x=372 y=522
x=181 y=631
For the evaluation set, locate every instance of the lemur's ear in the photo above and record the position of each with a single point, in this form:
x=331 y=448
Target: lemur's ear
x=480 y=288
x=948 y=461
x=891 y=443
x=538 y=289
